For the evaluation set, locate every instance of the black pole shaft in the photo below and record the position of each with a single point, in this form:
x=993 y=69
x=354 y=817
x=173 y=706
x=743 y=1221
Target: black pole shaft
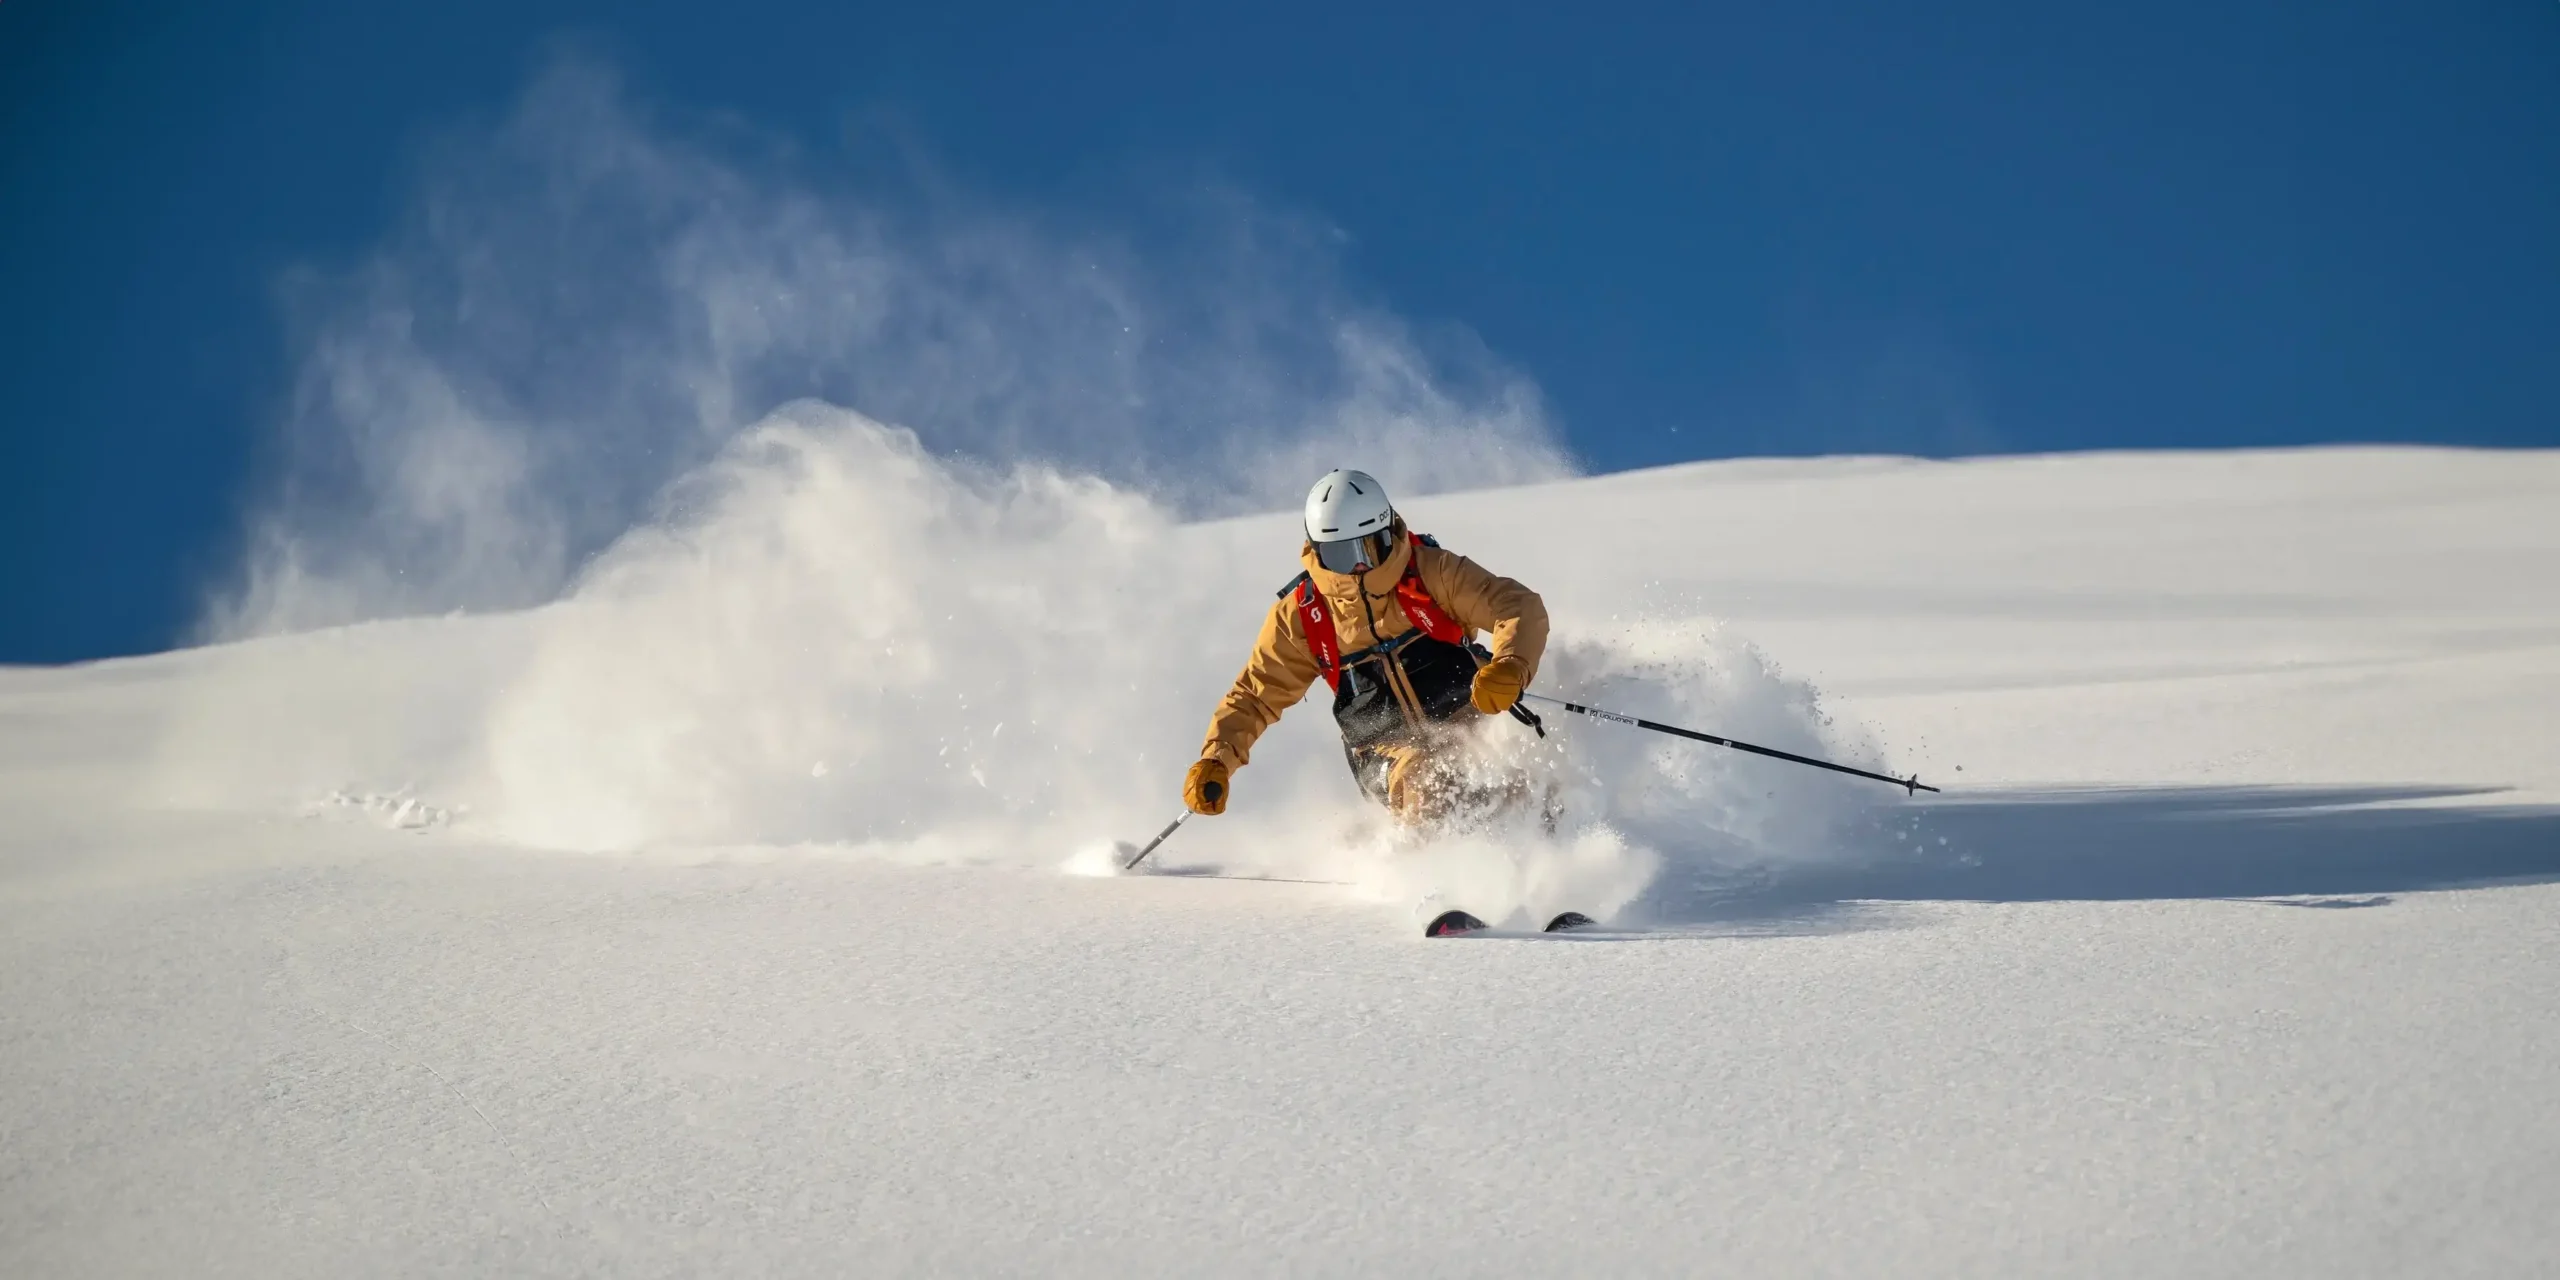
x=1161 y=837
x=1910 y=785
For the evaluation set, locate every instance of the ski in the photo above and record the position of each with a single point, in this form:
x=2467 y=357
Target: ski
x=1458 y=924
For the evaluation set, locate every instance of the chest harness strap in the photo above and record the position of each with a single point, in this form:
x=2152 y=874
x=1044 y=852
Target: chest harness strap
x=1315 y=617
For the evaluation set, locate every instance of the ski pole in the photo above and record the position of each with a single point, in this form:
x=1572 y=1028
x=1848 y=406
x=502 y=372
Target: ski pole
x=1132 y=864
x=1911 y=785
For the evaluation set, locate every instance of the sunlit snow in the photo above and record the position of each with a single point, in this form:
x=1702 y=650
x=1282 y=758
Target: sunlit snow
x=702 y=921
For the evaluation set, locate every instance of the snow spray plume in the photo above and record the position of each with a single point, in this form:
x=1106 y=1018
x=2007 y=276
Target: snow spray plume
x=1651 y=827
x=846 y=638
x=974 y=617
x=835 y=638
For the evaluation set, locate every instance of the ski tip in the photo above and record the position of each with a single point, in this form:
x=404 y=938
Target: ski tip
x=1569 y=921
x=1451 y=924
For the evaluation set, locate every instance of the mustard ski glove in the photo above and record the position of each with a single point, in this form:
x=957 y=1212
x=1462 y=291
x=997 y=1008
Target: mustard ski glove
x=1205 y=787
x=1498 y=684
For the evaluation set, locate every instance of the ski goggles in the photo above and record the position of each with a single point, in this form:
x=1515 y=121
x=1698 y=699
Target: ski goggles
x=1355 y=555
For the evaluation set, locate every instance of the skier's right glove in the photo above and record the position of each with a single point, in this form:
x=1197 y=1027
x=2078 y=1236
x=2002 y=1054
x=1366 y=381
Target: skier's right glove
x=1498 y=684
x=1205 y=787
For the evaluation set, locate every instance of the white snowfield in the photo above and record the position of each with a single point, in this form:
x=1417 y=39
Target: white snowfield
x=715 y=920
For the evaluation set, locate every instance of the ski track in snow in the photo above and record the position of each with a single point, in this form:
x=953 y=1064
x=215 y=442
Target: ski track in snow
x=571 y=941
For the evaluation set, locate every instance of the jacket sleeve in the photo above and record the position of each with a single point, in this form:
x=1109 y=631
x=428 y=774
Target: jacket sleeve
x=1481 y=600
x=1273 y=680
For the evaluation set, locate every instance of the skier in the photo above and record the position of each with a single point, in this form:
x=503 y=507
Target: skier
x=1388 y=619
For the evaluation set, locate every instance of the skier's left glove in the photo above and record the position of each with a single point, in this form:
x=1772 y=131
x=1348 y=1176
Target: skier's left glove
x=1498 y=684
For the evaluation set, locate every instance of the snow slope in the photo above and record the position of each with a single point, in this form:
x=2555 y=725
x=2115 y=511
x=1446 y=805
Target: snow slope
x=712 y=919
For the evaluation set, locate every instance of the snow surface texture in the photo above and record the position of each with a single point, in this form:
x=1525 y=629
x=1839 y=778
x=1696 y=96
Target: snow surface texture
x=710 y=920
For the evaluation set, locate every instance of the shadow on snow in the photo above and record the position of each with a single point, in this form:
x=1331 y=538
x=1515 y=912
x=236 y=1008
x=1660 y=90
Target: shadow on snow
x=2324 y=847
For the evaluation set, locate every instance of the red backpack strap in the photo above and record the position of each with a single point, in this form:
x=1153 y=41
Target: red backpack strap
x=1317 y=621
x=1420 y=609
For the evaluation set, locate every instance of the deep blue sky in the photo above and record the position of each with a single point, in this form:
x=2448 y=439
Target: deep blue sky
x=1704 y=230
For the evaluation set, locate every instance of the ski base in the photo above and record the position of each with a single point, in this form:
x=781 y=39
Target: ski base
x=1458 y=924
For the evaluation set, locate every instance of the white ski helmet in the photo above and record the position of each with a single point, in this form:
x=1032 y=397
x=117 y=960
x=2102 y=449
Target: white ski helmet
x=1350 y=521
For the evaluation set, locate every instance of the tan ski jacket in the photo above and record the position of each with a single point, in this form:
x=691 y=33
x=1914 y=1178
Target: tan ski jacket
x=1365 y=612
